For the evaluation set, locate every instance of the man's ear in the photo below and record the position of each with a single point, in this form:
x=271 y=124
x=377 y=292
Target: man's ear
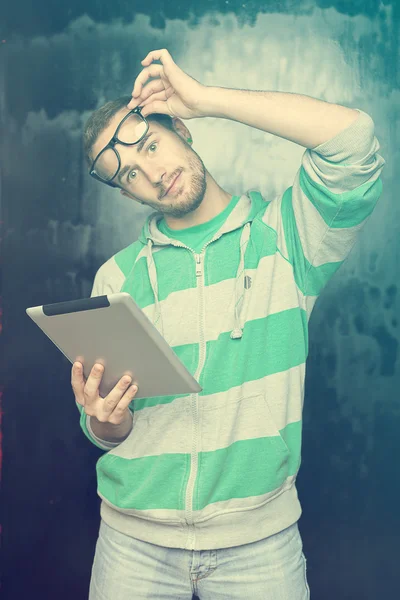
x=181 y=129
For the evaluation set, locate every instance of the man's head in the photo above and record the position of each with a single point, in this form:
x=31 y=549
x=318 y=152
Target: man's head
x=165 y=155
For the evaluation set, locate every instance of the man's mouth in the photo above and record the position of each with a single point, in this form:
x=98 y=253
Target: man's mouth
x=173 y=183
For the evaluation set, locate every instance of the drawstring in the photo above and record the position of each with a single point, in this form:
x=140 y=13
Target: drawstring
x=154 y=285
x=237 y=331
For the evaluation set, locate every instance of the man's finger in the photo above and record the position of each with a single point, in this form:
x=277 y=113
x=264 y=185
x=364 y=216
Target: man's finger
x=160 y=96
x=153 y=91
x=147 y=73
x=94 y=379
x=133 y=103
x=158 y=106
x=155 y=86
x=161 y=55
x=78 y=382
x=151 y=88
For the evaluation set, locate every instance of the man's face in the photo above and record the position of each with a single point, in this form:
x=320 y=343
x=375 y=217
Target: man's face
x=146 y=175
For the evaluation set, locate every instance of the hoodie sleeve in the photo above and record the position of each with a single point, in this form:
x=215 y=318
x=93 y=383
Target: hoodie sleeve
x=108 y=280
x=333 y=194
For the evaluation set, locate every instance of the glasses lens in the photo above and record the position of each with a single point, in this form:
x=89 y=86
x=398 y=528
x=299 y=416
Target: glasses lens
x=130 y=132
x=132 y=129
x=106 y=165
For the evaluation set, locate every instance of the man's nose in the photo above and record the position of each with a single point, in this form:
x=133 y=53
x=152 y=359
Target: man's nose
x=155 y=174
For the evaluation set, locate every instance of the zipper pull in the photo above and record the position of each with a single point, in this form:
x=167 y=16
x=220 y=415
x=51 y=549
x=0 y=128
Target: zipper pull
x=198 y=265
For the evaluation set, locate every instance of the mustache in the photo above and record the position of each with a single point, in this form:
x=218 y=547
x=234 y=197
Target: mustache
x=168 y=185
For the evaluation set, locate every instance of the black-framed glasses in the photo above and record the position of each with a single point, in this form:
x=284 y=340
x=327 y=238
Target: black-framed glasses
x=129 y=132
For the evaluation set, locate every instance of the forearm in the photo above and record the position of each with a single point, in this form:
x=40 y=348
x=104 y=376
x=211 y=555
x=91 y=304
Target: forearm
x=110 y=432
x=295 y=117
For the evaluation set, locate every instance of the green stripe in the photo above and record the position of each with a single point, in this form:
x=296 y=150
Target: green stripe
x=176 y=269
x=144 y=483
x=310 y=280
x=179 y=265
x=126 y=257
x=258 y=205
x=347 y=209
x=318 y=277
x=248 y=467
x=229 y=362
x=262 y=242
x=246 y=359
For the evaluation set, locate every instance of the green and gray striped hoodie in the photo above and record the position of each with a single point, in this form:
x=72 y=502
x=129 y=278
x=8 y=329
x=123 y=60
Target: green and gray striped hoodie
x=218 y=468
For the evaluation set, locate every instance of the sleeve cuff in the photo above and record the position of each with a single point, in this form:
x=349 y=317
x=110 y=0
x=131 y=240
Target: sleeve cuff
x=105 y=443
x=352 y=144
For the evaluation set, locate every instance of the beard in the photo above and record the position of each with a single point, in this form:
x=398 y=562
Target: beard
x=194 y=191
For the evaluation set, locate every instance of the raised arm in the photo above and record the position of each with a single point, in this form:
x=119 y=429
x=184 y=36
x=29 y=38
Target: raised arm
x=295 y=117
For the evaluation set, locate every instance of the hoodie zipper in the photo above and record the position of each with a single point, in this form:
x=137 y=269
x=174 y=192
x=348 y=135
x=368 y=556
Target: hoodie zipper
x=194 y=458
x=198 y=264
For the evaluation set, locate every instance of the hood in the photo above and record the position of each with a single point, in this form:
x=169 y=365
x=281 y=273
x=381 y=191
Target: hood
x=241 y=217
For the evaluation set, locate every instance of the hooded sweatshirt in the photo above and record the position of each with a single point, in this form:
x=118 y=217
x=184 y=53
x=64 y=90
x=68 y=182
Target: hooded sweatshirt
x=218 y=468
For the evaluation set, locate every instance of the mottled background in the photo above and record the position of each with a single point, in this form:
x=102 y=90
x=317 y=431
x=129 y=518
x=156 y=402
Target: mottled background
x=58 y=62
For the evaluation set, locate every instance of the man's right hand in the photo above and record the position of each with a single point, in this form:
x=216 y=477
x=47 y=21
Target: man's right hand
x=111 y=409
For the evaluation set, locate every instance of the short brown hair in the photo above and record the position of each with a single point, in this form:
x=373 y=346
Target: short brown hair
x=101 y=117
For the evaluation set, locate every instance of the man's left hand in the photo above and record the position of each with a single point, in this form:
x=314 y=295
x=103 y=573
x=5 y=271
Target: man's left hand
x=173 y=92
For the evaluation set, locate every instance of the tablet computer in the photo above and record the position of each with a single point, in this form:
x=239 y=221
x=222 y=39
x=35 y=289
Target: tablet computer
x=113 y=331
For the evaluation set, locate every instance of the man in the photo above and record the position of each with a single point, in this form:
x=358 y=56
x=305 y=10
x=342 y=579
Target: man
x=198 y=491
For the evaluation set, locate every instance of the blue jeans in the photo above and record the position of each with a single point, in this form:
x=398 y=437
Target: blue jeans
x=125 y=568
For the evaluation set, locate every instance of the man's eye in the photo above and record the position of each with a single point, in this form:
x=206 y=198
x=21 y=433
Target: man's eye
x=133 y=174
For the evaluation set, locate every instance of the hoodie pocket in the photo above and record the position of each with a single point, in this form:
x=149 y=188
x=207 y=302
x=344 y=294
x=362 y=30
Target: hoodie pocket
x=247 y=422
x=224 y=422
x=243 y=459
